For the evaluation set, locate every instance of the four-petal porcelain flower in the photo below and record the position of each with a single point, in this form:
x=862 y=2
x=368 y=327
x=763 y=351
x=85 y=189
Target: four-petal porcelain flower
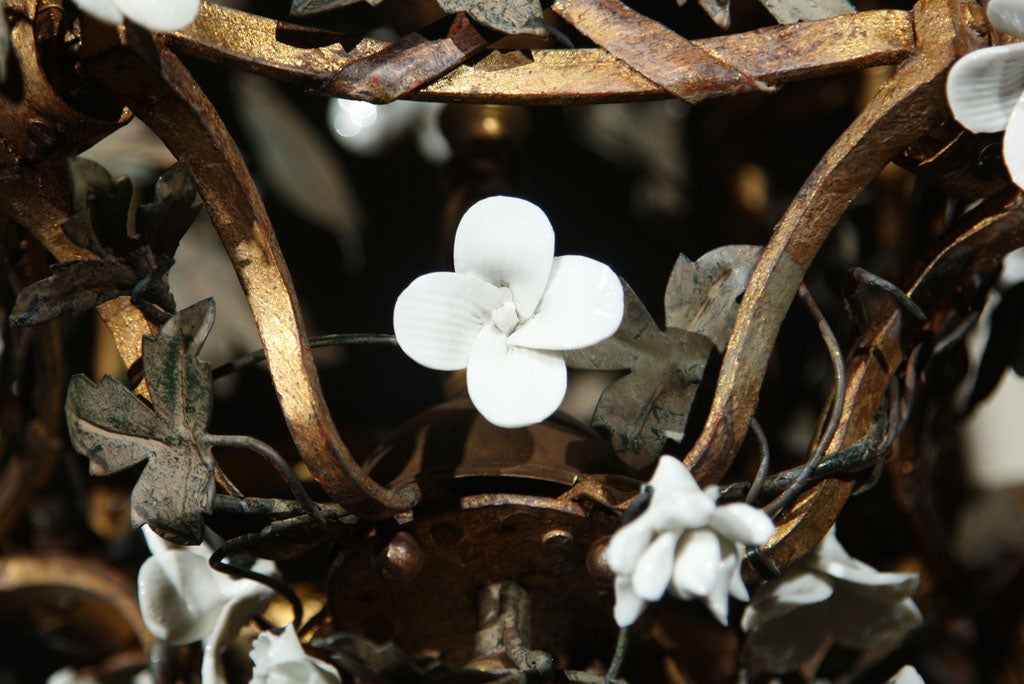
x=985 y=88
x=684 y=543
x=827 y=593
x=281 y=660
x=155 y=15
x=508 y=311
x=183 y=599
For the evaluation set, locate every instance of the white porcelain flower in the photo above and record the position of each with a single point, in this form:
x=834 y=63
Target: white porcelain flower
x=907 y=674
x=508 y=311
x=367 y=129
x=281 y=660
x=684 y=543
x=155 y=15
x=827 y=593
x=985 y=88
x=184 y=600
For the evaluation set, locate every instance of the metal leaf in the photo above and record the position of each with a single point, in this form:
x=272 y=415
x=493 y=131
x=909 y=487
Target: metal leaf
x=164 y=221
x=639 y=411
x=74 y=288
x=387 y=663
x=300 y=165
x=305 y=8
x=703 y=296
x=116 y=430
x=792 y=11
x=508 y=16
x=105 y=200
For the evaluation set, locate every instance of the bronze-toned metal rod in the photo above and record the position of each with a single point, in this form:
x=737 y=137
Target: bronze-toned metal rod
x=778 y=54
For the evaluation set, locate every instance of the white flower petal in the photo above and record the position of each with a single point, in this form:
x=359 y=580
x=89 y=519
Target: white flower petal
x=281 y=659
x=104 y=10
x=983 y=87
x=908 y=674
x=512 y=386
x=781 y=596
x=509 y=242
x=1007 y=16
x=684 y=511
x=697 y=563
x=247 y=600
x=439 y=316
x=159 y=15
x=626 y=545
x=628 y=606
x=581 y=306
x=861 y=577
x=654 y=568
x=718 y=602
x=743 y=523
x=737 y=588
x=179 y=601
x=671 y=478
x=1013 y=141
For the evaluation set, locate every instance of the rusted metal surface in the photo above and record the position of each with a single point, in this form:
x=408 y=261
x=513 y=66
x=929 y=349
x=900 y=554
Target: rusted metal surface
x=902 y=111
x=38 y=131
x=453 y=440
x=160 y=91
x=693 y=74
x=778 y=54
x=92 y=599
x=985 y=236
x=482 y=540
x=30 y=427
x=408 y=64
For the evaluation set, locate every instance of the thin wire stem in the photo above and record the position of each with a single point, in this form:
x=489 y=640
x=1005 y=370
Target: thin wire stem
x=225 y=482
x=621 y=644
x=236 y=545
x=762 y=468
x=259 y=355
x=876 y=281
x=839 y=394
x=277 y=508
x=280 y=465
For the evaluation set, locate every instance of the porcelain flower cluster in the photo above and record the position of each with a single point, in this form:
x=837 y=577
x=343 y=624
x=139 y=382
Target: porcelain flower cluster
x=985 y=88
x=827 y=594
x=155 y=15
x=683 y=543
x=508 y=311
x=184 y=600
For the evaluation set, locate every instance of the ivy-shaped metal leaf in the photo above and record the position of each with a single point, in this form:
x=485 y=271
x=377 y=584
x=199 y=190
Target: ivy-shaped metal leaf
x=784 y=11
x=703 y=296
x=387 y=663
x=116 y=430
x=128 y=264
x=652 y=403
x=508 y=16
x=654 y=398
x=305 y=8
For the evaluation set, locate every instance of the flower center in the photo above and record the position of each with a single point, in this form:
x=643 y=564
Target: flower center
x=505 y=318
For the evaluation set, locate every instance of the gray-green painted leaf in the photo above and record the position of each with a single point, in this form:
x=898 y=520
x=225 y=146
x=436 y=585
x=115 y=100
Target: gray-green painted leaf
x=654 y=398
x=73 y=288
x=305 y=8
x=508 y=16
x=702 y=296
x=115 y=430
x=792 y=11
